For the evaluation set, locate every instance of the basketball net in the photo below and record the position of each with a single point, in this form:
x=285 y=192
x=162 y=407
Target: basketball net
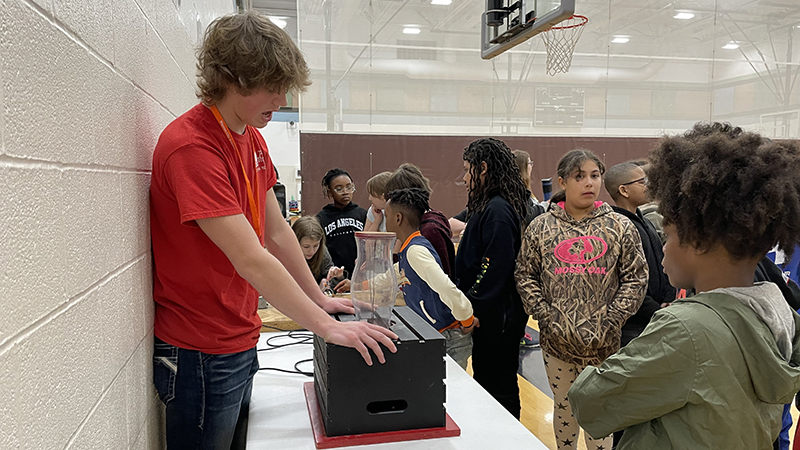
x=560 y=43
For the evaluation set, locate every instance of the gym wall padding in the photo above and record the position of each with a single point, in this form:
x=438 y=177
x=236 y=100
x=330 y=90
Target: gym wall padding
x=441 y=160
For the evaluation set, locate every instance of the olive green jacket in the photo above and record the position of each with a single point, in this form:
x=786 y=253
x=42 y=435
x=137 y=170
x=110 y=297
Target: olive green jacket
x=705 y=374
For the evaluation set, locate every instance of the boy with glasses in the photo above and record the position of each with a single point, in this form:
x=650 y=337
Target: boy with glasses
x=627 y=185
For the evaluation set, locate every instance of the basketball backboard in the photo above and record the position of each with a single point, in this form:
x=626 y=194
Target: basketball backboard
x=508 y=23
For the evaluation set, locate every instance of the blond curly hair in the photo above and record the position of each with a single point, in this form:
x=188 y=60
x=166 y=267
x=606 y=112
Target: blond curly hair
x=248 y=52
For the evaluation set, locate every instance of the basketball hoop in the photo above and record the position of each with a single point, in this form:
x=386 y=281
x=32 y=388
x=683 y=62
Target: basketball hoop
x=560 y=43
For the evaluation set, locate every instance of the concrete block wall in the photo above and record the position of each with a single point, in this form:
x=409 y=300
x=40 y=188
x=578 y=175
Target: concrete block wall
x=86 y=88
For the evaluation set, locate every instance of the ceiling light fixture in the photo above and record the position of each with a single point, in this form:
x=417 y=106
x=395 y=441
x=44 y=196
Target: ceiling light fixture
x=411 y=30
x=683 y=16
x=279 y=21
x=441 y=2
x=732 y=45
x=620 y=40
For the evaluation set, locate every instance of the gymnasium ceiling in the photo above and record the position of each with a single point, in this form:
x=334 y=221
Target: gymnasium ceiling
x=763 y=29
x=735 y=60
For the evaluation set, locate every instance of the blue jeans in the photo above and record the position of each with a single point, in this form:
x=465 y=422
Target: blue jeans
x=782 y=442
x=458 y=346
x=207 y=396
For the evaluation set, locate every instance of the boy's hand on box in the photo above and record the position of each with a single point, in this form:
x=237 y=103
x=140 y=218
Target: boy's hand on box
x=338 y=305
x=362 y=336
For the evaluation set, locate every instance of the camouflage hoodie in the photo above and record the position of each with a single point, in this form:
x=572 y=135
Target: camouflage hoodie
x=581 y=280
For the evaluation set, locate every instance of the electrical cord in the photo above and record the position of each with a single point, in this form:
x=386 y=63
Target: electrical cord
x=296 y=370
x=299 y=338
x=275 y=328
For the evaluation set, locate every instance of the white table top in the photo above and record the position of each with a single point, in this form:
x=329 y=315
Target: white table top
x=279 y=417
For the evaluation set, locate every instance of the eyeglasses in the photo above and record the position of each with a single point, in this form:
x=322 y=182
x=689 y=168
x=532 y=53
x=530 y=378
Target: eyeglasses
x=348 y=188
x=530 y=163
x=642 y=180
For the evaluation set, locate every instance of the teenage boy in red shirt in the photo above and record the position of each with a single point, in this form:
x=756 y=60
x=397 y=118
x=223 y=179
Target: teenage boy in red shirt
x=212 y=213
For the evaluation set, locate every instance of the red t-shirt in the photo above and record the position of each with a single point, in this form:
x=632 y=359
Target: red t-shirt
x=201 y=303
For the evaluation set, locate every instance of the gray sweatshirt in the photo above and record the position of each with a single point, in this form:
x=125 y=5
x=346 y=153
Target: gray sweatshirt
x=767 y=301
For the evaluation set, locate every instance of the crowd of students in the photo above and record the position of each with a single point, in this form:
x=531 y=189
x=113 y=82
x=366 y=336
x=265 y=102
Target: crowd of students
x=591 y=274
x=622 y=354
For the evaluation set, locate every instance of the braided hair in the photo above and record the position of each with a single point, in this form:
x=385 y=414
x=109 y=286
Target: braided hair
x=411 y=202
x=502 y=177
x=329 y=176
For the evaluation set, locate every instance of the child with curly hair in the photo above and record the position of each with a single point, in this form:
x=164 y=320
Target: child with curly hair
x=713 y=370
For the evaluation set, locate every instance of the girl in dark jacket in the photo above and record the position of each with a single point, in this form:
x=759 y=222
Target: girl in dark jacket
x=498 y=202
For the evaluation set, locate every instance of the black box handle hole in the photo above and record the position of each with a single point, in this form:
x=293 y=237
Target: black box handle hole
x=387 y=406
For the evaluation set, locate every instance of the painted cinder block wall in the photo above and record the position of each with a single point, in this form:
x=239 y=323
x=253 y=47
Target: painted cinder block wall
x=86 y=87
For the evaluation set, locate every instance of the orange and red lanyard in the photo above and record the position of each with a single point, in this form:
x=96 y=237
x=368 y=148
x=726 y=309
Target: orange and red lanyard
x=255 y=210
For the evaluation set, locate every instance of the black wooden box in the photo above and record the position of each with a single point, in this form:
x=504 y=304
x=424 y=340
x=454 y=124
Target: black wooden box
x=405 y=393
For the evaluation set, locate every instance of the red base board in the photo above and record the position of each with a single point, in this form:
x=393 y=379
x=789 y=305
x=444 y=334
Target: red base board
x=323 y=441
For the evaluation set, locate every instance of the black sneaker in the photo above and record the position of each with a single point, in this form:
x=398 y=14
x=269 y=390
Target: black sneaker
x=528 y=341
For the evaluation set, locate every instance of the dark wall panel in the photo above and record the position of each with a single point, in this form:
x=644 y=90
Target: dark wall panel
x=440 y=158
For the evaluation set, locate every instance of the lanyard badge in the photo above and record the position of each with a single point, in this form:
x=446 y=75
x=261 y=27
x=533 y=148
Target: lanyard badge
x=255 y=210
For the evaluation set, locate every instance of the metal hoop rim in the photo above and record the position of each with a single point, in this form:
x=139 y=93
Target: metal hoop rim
x=576 y=16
